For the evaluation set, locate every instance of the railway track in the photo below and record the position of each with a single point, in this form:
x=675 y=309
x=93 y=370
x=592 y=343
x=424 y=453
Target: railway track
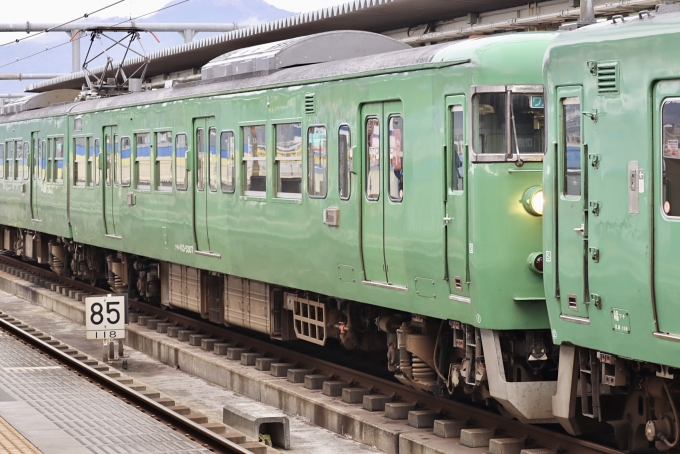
x=533 y=436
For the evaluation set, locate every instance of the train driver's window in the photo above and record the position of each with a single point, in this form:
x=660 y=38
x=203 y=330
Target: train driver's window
x=670 y=118
x=164 y=161
x=527 y=123
x=490 y=123
x=2 y=161
x=125 y=161
x=344 y=161
x=255 y=160
x=212 y=159
x=143 y=161
x=457 y=149
x=79 y=172
x=59 y=159
x=227 y=161
x=289 y=160
x=317 y=162
x=571 y=146
x=396 y=179
x=181 y=161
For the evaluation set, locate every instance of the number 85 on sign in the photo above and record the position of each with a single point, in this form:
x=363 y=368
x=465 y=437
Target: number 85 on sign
x=105 y=317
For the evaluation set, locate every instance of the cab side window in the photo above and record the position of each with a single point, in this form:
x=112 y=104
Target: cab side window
x=457 y=149
x=571 y=144
x=670 y=135
x=344 y=161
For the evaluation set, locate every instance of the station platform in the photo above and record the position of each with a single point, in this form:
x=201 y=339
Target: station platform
x=45 y=408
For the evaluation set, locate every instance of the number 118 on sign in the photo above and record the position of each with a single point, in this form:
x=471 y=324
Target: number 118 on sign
x=105 y=317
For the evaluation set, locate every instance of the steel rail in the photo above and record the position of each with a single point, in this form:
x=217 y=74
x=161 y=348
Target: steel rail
x=536 y=435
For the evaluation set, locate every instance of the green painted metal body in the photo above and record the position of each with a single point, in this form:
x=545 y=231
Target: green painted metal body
x=626 y=260
x=285 y=241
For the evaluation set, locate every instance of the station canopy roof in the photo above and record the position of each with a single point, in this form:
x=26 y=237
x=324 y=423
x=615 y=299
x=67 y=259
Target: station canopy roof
x=366 y=15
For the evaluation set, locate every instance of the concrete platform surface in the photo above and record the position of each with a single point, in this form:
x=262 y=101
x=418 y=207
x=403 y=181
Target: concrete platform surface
x=197 y=393
x=61 y=413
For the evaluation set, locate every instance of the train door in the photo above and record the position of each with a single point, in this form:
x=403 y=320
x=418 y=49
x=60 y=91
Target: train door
x=382 y=231
x=204 y=144
x=36 y=184
x=109 y=170
x=455 y=214
x=572 y=206
x=667 y=205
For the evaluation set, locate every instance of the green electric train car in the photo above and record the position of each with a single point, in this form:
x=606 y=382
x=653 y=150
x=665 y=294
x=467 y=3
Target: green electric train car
x=611 y=225
x=389 y=201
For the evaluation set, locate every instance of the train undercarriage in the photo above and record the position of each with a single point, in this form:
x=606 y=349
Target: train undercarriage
x=520 y=372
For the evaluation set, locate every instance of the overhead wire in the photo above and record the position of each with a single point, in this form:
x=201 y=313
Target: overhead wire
x=80 y=37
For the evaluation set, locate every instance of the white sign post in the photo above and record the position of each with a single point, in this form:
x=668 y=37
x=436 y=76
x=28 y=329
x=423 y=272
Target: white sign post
x=105 y=318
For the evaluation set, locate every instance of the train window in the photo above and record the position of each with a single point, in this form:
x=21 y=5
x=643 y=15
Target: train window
x=212 y=159
x=125 y=161
x=181 y=161
x=396 y=180
x=670 y=121
x=116 y=160
x=457 y=149
x=109 y=160
x=227 y=161
x=344 y=161
x=143 y=161
x=43 y=160
x=9 y=159
x=527 y=121
x=79 y=168
x=289 y=160
x=59 y=159
x=18 y=159
x=571 y=146
x=200 y=157
x=25 y=168
x=373 y=159
x=317 y=162
x=255 y=160
x=164 y=161
x=49 y=153
x=36 y=159
x=2 y=161
x=94 y=162
x=490 y=123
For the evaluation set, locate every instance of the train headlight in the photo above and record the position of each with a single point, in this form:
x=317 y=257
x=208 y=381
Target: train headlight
x=532 y=200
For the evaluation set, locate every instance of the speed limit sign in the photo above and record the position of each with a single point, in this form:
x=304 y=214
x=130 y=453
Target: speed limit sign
x=105 y=317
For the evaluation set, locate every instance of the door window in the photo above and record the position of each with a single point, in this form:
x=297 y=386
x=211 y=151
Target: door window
x=109 y=160
x=670 y=123
x=212 y=159
x=2 y=161
x=458 y=149
x=396 y=179
x=200 y=157
x=373 y=159
x=571 y=144
x=345 y=161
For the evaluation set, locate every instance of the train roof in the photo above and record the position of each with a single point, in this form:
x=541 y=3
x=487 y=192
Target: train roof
x=495 y=52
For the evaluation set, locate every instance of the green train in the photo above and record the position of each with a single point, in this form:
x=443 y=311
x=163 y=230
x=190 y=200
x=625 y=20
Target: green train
x=325 y=201
x=611 y=226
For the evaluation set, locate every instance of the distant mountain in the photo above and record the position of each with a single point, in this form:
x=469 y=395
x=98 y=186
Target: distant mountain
x=58 y=60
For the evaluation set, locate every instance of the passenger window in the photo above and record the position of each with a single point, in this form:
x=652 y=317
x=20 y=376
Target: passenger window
x=49 y=152
x=212 y=159
x=317 y=162
x=143 y=161
x=2 y=161
x=59 y=159
x=670 y=121
x=93 y=161
x=200 y=156
x=181 y=161
x=373 y=159
x=43 y=160
x=109 y=160
x=125 y=161
x=457 y=149
x=79 y=172
x=10 y=160
x=164 y=161
x=344 y=161
x=571 y=146
x=227 y=161
x=396 y=180
x=255 y=160
x=18 y=146
x=289 y=160
x=490 y=123
x=25 y=168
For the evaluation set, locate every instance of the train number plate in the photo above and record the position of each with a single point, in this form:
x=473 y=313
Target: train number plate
x=620 y=321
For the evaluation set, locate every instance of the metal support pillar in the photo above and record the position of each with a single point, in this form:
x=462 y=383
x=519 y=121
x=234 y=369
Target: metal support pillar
x=188 y=35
